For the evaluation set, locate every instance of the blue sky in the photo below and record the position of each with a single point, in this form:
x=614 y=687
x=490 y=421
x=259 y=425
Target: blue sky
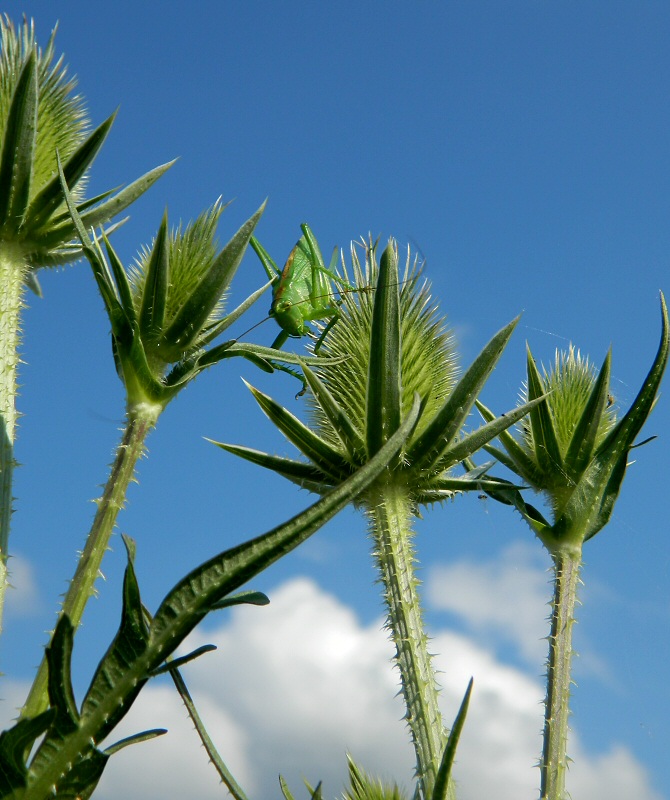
x=523 y=147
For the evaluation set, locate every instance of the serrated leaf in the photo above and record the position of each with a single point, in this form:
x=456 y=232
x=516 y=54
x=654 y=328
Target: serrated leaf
x=61 y=695
x=128 y=646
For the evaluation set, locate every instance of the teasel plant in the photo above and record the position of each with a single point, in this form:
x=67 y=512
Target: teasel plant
x=39 y=115
x=574 y=451
x=389 y=344
x=165 y=313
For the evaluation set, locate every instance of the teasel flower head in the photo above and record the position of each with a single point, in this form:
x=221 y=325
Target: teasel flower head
x=388 y=344
x=40 y=117
x=572 y=447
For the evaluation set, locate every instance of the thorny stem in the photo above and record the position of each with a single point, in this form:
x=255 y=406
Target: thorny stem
x=391 y=529
x=553 y=766
x=12 y=273
x=140 y=421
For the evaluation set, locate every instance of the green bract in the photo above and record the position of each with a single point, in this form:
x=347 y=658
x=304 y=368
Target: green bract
x=572 y=447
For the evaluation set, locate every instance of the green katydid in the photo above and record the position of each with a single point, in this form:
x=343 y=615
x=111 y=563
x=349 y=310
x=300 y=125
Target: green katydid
x=302 y=291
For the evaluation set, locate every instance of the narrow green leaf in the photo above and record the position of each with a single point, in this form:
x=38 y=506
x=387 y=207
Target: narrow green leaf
x=383 y=401
x=446 y=424
x=157 y=281
x=14 y=744
x=120 y=280
x=343 y=426
x=101 y=272
x=18 y=147
x=51 y=196
x=242 y=598
x=477 y=439
x=444 y=773
x=284 y=789
x=176 y=663
x=136 y=738
x=545 y=442
x=126 y=197
x=584 y=436
x=517 y=459
x=303 y=474
x=191 y=317
x=212 y=331
x=61 y=695
x=225 y=775
x=325 y=457
x=622 y=436
x=257 y=354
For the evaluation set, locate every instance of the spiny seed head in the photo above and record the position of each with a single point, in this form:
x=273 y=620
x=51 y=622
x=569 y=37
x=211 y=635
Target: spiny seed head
x=62 y=118
x=569 y=384
x=191 y=252
x=428 y=358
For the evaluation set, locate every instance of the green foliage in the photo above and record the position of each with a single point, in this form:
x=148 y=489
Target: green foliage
x=68 y=756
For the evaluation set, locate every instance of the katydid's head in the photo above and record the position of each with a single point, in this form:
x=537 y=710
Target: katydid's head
x=290 y=317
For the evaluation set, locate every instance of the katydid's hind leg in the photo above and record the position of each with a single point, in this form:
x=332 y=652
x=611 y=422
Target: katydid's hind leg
x=293 y=373
x=280 y=341
x=324 y=333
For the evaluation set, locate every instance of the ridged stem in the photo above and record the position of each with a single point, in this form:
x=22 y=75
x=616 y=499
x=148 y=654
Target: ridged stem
x=12 y=273
x=553 y=766
x=390 y=513
x=82 y=586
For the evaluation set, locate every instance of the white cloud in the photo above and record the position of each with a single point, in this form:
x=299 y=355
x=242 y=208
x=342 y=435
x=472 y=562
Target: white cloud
x=505 y=598
x=22 y=599
x=295 y=685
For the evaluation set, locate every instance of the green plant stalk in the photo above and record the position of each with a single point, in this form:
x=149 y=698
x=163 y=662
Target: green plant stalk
x=553 y=767
x=141 y=419
x=13 y=270
x=390 y=514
